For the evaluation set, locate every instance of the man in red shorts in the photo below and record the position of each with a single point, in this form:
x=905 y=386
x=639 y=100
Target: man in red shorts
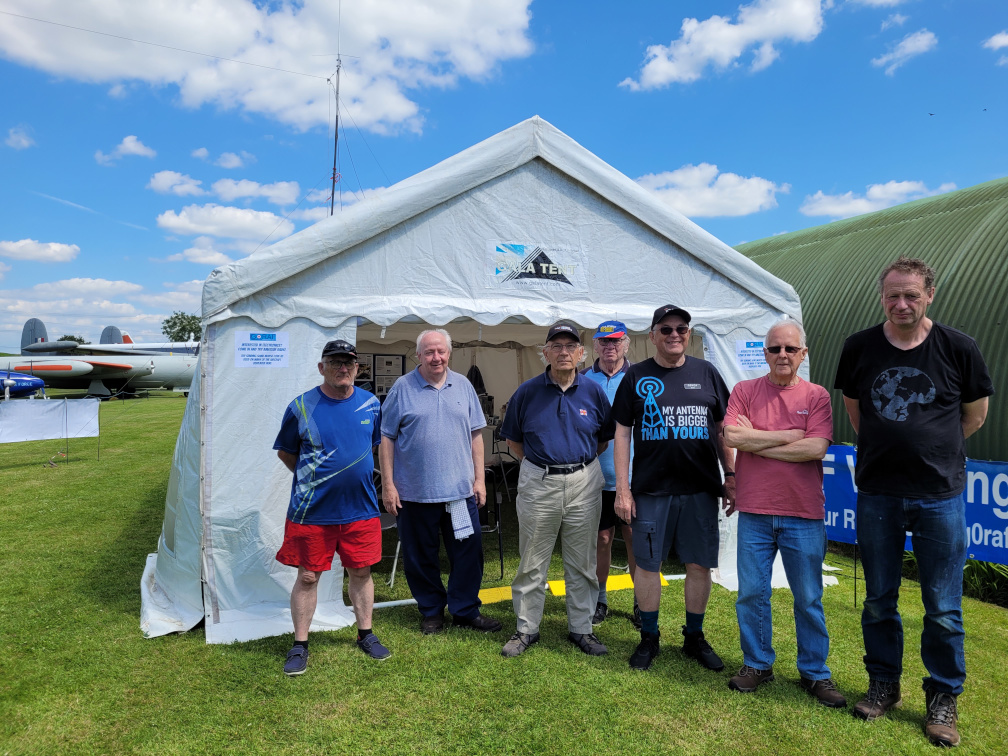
x=326 y=439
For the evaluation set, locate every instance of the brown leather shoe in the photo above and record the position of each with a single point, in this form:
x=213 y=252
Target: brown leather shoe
x=750 y=678
x=825 y=692
x=942 y=717
x=431 y=625
x=881 y=697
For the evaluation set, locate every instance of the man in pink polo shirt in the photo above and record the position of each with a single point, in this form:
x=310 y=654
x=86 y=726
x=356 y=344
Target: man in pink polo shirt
x=781 y=427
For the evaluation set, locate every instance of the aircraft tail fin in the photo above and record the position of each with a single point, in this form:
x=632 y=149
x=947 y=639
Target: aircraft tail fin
x=34 y=331
x=126 y=339
x=111 y=335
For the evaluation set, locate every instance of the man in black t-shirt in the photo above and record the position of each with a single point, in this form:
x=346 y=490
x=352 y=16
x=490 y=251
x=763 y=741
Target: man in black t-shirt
x=915 y=390
x=672 y=406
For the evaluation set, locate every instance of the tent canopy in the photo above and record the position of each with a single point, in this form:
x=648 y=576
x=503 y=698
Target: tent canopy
x=494 y=244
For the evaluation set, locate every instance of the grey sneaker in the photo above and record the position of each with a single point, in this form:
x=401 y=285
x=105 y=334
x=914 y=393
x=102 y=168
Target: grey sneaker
x=881 y=697
x=589 y=643
x=518 y=643
x=750 y=678
x=601 y=612
x=297 y=661
x=373 y=647
x=942 y=718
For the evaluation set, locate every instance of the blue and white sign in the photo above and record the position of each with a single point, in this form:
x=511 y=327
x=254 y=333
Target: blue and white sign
x=749 y=355
x=261 y=349
x=986 y=499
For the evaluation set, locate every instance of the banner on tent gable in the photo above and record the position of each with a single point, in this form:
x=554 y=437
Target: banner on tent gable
x=260 y=349
x=986 y=498
x=536 y=266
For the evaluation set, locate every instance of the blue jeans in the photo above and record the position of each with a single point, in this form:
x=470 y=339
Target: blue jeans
x=802 y=546
x=938 y=532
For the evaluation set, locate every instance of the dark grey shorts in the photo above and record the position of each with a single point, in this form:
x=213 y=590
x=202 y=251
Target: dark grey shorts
x=689 y=523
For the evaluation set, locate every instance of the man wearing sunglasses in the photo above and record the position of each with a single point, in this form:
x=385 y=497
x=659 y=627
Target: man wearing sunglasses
x=557 y=424
x=914 y=390
x=611 y=343
x=781 y=427
x=327 y=437
x=672 y=407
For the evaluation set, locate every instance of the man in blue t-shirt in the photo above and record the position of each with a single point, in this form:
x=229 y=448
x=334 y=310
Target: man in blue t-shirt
x=327 y=437
x=611 y=343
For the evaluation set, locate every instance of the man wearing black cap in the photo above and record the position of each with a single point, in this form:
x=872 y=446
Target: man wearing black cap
x=557 y=424
x=672 y=406
x=326 y=439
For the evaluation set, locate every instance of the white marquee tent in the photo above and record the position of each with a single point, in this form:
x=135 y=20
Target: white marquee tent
x=495 y=244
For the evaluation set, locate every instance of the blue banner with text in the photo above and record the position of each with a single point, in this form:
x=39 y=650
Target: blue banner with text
x=986 y=499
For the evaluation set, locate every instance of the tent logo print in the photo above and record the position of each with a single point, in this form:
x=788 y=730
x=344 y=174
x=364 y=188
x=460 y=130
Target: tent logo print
x=534 y=265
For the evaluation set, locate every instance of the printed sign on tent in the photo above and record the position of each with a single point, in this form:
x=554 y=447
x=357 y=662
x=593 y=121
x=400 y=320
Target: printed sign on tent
x=535 y=266
x=261 y=349
x=749 y=355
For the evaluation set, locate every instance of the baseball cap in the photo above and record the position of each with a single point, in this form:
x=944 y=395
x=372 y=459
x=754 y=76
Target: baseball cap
x=611 y=329
x=563 y=326
x=664 y=310
x=338 y=346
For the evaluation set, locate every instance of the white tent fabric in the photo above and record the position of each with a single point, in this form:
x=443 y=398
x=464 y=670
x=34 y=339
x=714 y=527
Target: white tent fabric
x=41 y=420
x=494 y=244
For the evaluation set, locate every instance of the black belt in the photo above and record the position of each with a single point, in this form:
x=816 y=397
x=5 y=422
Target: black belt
x=563 y=469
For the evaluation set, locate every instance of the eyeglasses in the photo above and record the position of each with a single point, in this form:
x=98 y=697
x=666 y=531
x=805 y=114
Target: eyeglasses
x=570 y=348
x=682 y=330
x=614 y=343
x=341 y=364
x=788 y=349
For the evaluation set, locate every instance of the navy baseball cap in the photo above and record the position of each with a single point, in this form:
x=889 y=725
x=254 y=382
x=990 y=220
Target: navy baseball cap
x=563 y=326
x=338 y=346
x=664 y=310
x=611 y=329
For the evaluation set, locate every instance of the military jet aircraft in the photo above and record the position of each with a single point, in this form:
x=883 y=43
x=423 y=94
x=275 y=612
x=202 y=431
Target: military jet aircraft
x=19 y=384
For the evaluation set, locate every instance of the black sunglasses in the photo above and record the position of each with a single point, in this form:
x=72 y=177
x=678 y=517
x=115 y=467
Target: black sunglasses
x=788 y=349
x=682 y=330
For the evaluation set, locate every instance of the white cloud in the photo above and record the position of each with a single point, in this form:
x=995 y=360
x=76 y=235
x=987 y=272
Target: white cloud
x=877 y=197
x=4 y=269
x=720 y=42
x=99 y=288
x=910 y=46
x=279 y=193
x=700 y=191
x=29 y=249
x=878 y=3
x=130 y=145
x=229 y=160
x=203 y=251
x=19 y=138
x=998 y=42
x=399 y=47
x=172 y=182
x=201 y=153
x=896 y=19
x=228 y=222
x=311 y=214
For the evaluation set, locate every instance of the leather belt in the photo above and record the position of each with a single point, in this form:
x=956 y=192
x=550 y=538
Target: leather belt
x=563 y=469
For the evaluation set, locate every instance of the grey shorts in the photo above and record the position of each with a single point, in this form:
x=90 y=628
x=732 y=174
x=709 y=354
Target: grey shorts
x=688 y=522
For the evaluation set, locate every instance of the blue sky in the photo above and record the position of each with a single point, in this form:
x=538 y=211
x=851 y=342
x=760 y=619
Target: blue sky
x=132 y=168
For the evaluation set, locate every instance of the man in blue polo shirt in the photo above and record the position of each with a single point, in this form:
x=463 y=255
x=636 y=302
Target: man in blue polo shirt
x=611 y=343
x=431 y=458
x=327 y=437
x=556 y=424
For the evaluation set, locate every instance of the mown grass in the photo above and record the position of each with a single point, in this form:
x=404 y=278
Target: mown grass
x=76 y=676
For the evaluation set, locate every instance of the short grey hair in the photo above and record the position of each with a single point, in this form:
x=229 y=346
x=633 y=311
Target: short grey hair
x=790 y=323
x=428 y=332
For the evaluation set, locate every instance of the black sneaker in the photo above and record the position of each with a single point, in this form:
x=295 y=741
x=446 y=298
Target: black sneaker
x=373 y=647
x=648 y=648
x=480 y=622
x=635 y=619
x=881 y=697
x=589 y=643
x=432 y=625
x=601 y=611
x=297 y=661
x=695 y=645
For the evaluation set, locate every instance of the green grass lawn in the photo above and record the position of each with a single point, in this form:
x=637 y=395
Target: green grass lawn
x=76 y=675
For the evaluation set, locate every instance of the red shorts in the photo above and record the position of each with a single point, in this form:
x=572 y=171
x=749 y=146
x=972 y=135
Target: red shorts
x=312 y=546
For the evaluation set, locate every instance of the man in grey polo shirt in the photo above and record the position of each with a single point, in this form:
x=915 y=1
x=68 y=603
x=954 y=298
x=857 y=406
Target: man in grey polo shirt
x=431 y=458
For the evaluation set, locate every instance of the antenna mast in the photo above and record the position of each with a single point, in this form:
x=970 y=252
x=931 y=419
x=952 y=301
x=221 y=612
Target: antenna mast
x=335 y=175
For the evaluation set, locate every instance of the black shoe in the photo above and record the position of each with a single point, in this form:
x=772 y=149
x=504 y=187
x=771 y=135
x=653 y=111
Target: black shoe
x=588 y=643
x=373 y=647
x=635 y=619
x=695 y=645
x=297 y=661
x=601 y=611
x=480 y=622
x=648 y=648
x=431 y=625
x=518 y=644
x=881 y=697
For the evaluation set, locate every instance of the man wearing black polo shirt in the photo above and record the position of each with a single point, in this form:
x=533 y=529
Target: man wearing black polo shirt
x=557 y=424
x=673 y=407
